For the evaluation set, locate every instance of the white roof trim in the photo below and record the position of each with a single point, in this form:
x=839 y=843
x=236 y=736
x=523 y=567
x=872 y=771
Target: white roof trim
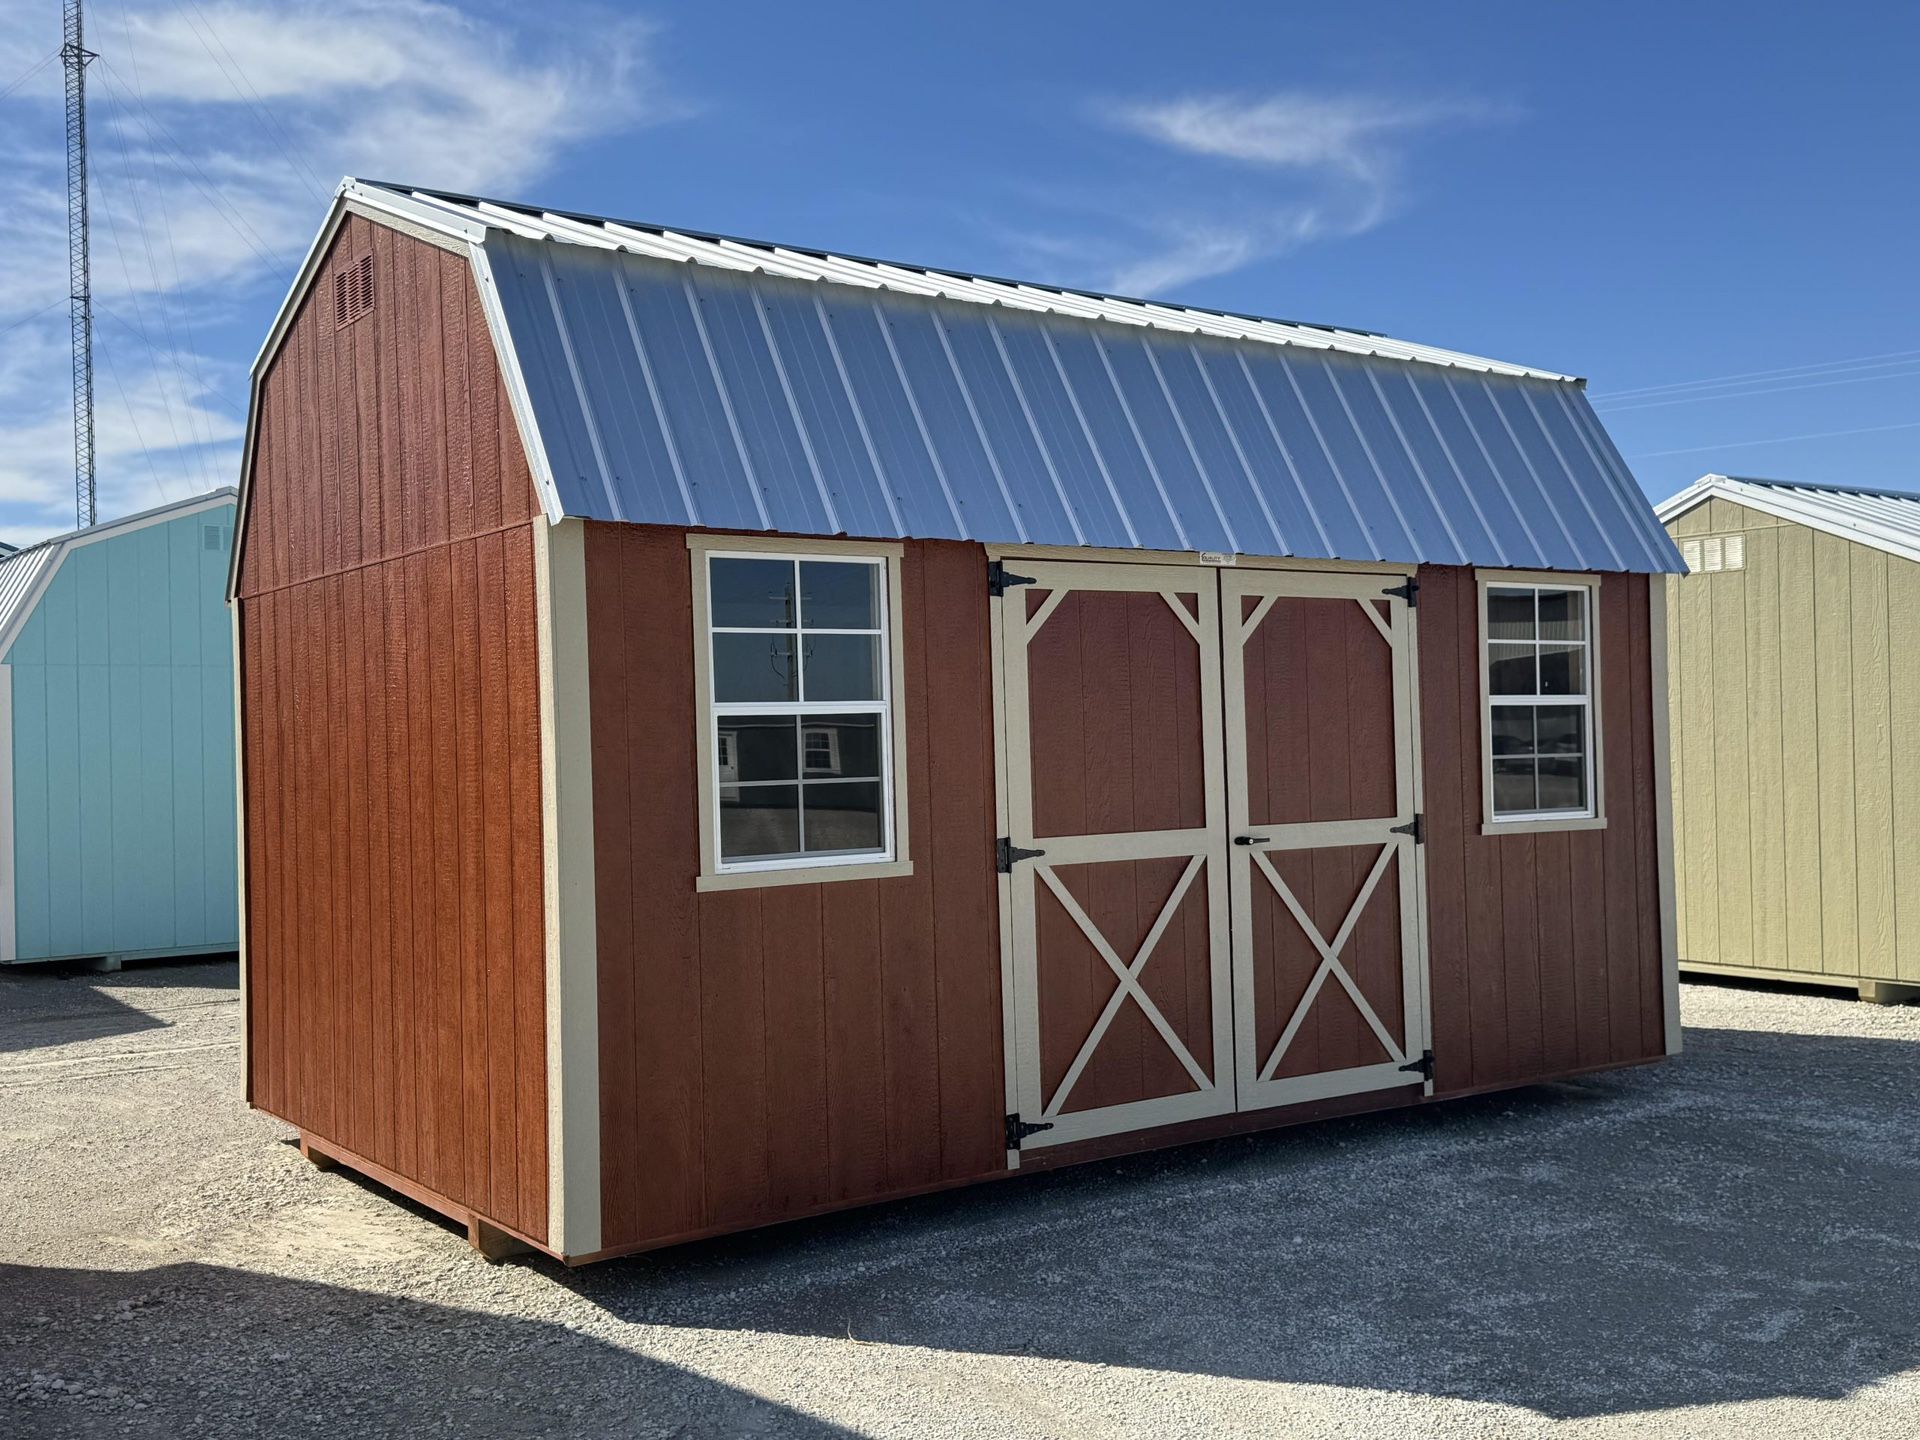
x=468 y=218
x=1831 y=509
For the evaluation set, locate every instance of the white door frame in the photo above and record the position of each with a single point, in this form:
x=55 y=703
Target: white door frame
x=1392 y=834
x=1206 y=846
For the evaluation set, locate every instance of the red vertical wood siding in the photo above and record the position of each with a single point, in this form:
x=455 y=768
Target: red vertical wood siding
x=768 y=1052
x=764 y=1052
x=1544 y=949
x=396 y=960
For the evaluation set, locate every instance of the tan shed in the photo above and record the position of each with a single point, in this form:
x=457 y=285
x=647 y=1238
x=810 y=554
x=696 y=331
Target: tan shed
x=1795 y=707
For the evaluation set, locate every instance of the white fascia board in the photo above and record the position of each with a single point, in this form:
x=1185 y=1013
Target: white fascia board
x=1784 y=505
x=519 y=399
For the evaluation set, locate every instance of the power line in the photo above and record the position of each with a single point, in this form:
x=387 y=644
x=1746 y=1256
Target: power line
x=227 y=211
x=160 y=296
x=113 y=227
x=1856 y=362
x=29 y=319
x=1778 y=440
x=1904 y=374
x=29 y=73
x=292 y=151
x=113 y=374
x=140 y=334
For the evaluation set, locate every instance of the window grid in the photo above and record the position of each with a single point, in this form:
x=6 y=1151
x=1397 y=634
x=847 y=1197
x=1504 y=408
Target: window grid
x=1582 y=700
x=799 y=709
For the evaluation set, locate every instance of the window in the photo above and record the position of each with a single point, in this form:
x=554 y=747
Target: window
x=1540 y=743
x=798 y=670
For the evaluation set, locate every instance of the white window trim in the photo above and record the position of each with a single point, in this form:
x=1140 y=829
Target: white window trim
x=804 y=869
x=1543 y=822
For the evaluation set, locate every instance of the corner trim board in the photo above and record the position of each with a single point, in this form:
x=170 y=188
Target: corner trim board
x=572 y=954
x=1663 y=806
x=240 y=850
x=9 y=910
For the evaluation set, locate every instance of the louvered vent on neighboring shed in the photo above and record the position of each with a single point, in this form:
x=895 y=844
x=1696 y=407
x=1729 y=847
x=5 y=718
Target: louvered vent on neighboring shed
x=352 y=291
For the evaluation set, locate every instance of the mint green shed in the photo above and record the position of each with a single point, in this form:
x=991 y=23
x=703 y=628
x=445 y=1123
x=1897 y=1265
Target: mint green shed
x=117 y=812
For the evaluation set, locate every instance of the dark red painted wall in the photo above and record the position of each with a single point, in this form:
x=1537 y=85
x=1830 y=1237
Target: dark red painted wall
x=391 y=748
x=1544 y=950
x=766 y=1053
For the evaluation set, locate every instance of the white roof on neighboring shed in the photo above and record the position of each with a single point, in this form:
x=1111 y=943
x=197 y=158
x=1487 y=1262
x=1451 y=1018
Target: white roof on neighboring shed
x=1887 y=520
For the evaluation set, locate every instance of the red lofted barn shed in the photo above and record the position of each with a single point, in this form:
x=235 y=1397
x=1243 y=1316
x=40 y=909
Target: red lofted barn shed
x=732 y=731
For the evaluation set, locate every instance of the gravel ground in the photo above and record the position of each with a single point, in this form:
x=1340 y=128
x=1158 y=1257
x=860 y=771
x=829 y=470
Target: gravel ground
x=1728 y=1245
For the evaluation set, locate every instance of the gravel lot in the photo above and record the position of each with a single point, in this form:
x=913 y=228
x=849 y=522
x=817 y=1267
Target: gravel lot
x=1728 y=1245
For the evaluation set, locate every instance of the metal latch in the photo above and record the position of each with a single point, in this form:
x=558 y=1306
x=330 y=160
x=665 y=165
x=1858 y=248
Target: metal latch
x=1000 y=579
x=1018 y=1129
x=1006 y=854
x=1409 y=592
x=1422 y=1067
x=1416 y=827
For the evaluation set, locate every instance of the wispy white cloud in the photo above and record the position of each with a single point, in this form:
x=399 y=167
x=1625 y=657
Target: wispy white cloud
x=218 y=132
x=1304 y=168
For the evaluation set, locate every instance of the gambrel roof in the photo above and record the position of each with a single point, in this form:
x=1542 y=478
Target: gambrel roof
x=1887 y=520
x=675 y=377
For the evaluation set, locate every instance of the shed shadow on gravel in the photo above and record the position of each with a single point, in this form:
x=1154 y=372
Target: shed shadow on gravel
x=219 y=1351
x=47 y=1005
x=1737 y=1225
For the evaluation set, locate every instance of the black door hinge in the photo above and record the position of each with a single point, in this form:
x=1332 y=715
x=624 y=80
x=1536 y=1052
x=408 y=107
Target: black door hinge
x=1006 y=854
x=1409 y=592
x=1423 y=1067
x=1000 y=579
x=1018 y=1129
x=1416 y=827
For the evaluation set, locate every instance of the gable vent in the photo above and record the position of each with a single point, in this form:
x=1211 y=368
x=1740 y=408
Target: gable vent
x=210 y=537
x=352 y=291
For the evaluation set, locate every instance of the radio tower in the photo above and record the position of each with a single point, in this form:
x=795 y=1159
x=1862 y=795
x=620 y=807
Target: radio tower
x=74 y=55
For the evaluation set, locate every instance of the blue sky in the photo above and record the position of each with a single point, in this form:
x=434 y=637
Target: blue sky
x=1647 y=195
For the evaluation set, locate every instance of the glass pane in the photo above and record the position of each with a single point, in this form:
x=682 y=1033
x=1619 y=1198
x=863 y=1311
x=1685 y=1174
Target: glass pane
x=751 y=594
x=841 y=746
x=1563 y=783
x=756 y=747
x=759 y=822
x=1509 y=614
x=843 y=667
x=754 y=668
x=843 y=817
x=1513 y=729
x=1562 y=730
x=1512 y=787
x=1510 y=670
x=1563 y=615
x=1563 y=669
x=836 y=596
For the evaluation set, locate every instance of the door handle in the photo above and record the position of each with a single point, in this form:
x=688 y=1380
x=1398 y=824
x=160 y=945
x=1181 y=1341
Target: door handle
x=1250 y=839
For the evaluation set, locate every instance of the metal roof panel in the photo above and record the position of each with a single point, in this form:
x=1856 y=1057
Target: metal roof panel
x=674 y=377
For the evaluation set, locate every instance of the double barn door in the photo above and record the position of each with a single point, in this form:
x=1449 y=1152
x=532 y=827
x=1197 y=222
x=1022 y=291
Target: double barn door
x=1210 y=803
